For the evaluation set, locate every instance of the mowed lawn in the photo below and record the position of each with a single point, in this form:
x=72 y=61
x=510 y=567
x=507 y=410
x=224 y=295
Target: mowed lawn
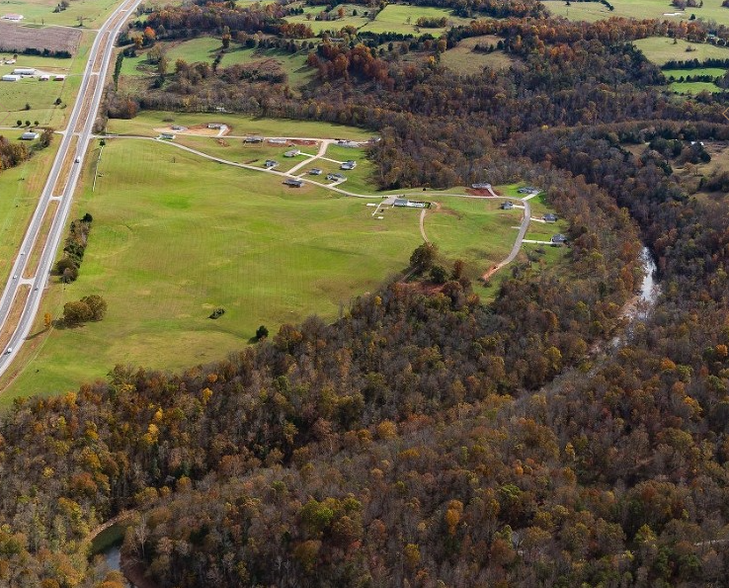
x=173 y=241
x=240 y=125
x=639 y=9
x=462 y=58
x=477 y=231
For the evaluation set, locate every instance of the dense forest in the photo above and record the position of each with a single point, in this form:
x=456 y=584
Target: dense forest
x=426 y=438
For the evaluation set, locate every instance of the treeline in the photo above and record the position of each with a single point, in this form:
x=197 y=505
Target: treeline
x=73 y=251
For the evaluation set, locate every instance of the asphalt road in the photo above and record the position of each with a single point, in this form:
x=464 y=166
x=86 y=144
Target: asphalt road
x=74 y=145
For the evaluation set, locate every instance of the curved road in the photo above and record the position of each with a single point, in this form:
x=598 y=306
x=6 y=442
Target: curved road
x=59 y=188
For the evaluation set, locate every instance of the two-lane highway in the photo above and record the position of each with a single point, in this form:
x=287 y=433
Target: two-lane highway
x=22 y=293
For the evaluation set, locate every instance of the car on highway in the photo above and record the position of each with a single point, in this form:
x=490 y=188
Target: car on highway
x=78 y=160
x=9 y=350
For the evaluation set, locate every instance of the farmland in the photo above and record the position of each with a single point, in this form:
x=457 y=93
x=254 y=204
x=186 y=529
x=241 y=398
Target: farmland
x=213 y=236
x=17 y=38
x=464 y=59
x=660 y=9
x=240 y=125
x=40 y=12
x=660 y=50
x=395 y=18
x=41 y=96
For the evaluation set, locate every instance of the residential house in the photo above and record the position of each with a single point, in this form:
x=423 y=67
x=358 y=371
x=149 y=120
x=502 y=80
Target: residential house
x=348 y=165
x=292 y=153
x=336 y=177
x=253 y=139
x=270 y=164
x=481 y=186
x=508 y=205
x=315 y=171
x=29 y=136
x=558 y=239
x=550 y=217
x=167 y=136
x=294 y=182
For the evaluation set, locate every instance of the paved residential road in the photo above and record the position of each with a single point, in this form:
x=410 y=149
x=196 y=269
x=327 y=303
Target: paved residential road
x=22 y=293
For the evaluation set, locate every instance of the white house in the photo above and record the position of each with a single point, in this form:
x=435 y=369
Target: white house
x=10 y=78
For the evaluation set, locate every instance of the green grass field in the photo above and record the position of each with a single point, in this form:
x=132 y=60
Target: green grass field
x=396 y=18
x=464 y=59
x=401 y=18
x=94 y=12
x=675 y=74
x=240 y=125
x=477 y=231
x=694 y=87
x=659 y=50
x=640 y=9
x=175 y=236
x=20 y=187
x=201 y=236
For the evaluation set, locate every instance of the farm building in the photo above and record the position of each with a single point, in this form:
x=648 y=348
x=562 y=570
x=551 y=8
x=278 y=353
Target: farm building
x=24 y=71
x=294 y=182
x=13 y=17
x=29 y=136
x=11 y=78
x=348 y=165
x=292 y=153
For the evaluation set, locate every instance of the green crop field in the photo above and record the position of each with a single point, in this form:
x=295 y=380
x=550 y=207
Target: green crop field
x=94 y=12
x=240 y=125
x=354 y=16
x=640 y=9
x=659 y=50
